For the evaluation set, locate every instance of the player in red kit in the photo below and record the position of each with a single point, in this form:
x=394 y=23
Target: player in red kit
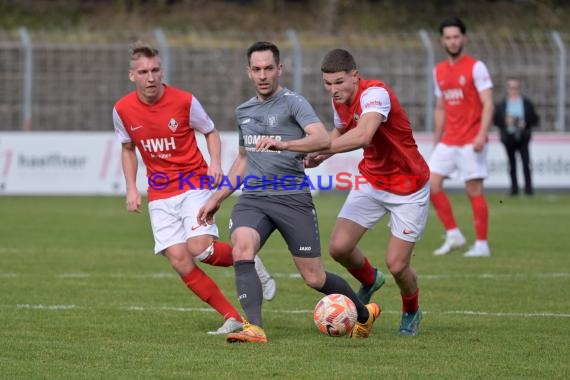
x=463 y=116
x=159 y=121
x=368 y=116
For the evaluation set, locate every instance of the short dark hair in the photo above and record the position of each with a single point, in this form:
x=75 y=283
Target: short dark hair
x=338 y=60
x=452 y=21
x=263 y=46
x=142 y=49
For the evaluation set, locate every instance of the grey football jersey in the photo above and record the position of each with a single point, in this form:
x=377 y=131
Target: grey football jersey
x=282 y=117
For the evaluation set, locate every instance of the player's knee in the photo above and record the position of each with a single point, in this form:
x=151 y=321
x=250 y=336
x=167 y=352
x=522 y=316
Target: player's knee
x=182 y=265
x=314 y=281
x=243 y=252
x=199 y=245
x=434 y=189
x=396 y=267
x=435 y=186
x=473 y=192
x=338 y=249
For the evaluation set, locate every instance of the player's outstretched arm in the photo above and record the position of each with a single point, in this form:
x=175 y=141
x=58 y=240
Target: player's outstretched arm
x=314 y=159
x=316 y=139
x=358 y=137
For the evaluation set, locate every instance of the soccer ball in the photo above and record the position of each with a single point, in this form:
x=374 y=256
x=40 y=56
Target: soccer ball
x=335 y=315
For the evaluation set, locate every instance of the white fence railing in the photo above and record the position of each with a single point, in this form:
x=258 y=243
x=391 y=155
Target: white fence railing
x=70 y=82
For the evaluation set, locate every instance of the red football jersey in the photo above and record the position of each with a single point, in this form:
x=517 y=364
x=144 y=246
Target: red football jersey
x=459 y=86
x=164 y=135
x=392 y=161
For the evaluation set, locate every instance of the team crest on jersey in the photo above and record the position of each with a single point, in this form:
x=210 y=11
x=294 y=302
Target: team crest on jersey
x=462 y=80
x=356 y=117
x=172 y=124
x=272 y=120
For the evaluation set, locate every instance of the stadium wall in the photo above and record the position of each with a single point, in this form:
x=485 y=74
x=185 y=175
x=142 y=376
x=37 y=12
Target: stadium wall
x=89 y=163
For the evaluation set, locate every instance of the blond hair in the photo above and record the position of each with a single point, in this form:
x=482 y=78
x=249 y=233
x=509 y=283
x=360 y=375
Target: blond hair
x=142 y=49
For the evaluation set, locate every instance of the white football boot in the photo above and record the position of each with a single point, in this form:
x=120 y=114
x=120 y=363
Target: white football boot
x=451 y=242
x=268 y=284
x=230 y=325
x=478 y=250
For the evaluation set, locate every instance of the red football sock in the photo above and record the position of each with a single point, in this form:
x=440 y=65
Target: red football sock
x=443 y=210
x=480 y=216
x=365 y=274
x=207 y=290
x=410 y=303
x=222 y=256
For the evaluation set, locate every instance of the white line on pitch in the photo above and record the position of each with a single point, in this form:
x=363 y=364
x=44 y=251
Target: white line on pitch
x=299 y=311
x=398 y=312
x=45 y=307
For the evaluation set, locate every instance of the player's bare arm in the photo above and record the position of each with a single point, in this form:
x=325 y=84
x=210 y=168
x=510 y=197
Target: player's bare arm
x=214 y=144
x=236 y=173
x=439 y=119
x=314 y=159
x=130 y=164
x=316 y=139
x=358 y=137
x=486 y=97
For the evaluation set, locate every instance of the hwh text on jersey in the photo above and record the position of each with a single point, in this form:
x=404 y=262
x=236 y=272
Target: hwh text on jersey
x=453 y=94
x=158 y=145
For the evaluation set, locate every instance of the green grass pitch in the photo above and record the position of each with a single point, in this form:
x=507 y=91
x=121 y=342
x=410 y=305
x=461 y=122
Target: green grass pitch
x=83 y=297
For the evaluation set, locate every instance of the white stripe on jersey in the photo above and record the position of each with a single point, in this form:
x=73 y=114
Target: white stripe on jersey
x=199 y=119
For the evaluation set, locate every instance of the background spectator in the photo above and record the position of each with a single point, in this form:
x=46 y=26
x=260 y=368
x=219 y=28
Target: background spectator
x=515 y=116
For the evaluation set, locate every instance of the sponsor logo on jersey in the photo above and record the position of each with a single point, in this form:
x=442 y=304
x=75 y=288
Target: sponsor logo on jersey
x=253 y=139
x=158 y=145
x=173 y=125
x=134 y=128
x=453 y=94
x=373 y=103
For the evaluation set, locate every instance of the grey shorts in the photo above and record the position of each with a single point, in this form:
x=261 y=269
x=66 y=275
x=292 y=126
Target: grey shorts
x=293 y=215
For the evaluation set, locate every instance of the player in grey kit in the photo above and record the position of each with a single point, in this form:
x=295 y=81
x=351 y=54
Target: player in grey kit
x=276 y=128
